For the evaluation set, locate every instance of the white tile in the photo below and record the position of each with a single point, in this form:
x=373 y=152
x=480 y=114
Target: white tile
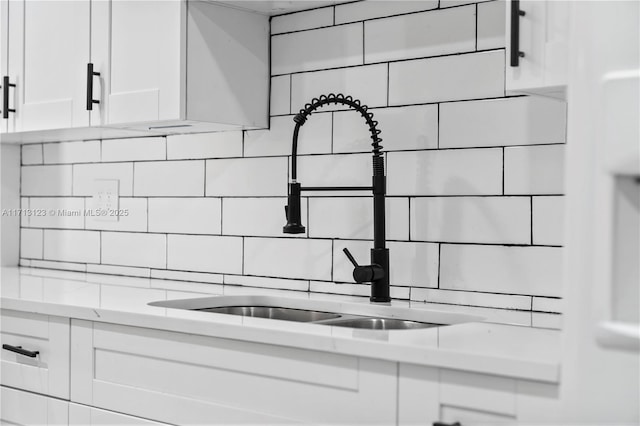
x=548 y=221
x=134 y=149
x=500 y=316
x=130 y=299
x=263 y=217
x=332 y=47
x=511 y=270
x=72 y=246
x=133 y=219
x=116 y=280
x=185 y=215
x=169 y=178
x=352 y=218
x=64 y=266
x=498 y=122
x=32 y=154
x=45 y=180
x=534 y=170
x=544 y=320
x=403 y=128
x=335 y=170
x=502 y=301
x=419 y=35
x=246 y=177
x=302 y=20
x=280 y=102
x=72 y=152
x=204 y=145
x=84 y=176
x=451 y=3
x=491 y=25
x=448 y=172
x=447 y=78
x=410 y=263
x=360 y=11
x=502 y=220
x=59 y=212
x=215 y=254
x=31 y=243
x=546 y=304
x=262 y=282
x=134 y=249
x=288 y=258
x=25 y=220
x=314 y=137
x=368 y=84
x=341 y=288
x=25 y=262
x=119 y=270
x=184 y=276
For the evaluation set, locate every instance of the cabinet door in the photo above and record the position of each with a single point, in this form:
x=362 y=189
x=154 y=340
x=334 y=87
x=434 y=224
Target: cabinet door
x=24 y=408
x=146 y=64
x=56 y=53
x=12 y=37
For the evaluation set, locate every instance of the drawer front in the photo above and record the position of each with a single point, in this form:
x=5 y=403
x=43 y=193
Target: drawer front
x=24 y=408
x=468 y=417
x=178 y=378
x=82 y=415
x=48 y=371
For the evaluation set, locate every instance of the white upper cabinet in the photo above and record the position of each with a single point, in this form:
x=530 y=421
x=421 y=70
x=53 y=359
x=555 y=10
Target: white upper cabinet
x=537 y=50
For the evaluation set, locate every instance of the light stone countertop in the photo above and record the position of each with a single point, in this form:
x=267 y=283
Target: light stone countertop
x=504 y=343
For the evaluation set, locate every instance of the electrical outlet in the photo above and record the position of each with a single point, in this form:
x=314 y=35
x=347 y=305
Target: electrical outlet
x=106 y=199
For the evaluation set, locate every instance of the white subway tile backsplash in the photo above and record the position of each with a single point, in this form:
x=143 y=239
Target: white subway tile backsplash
x=201 y=277
x=403 y=128
x=185 y=215
x=447 y=78
x=352 y=218
x=497 y=122
x=280 y=102
x=447 y=172
x=31 y=243
x=305 y=20
x=288 y=258
x=45 y=180
x=313 y=138
x=65 y=266
x=59 y=212
x=262 y=217
x=204 y=145
x=548 y=221
x=452 y=3
x=360 y=11
x=340 y=288
x=534 y=170
x=335 y=170
x=169 y=178
x=545 y=320
x=548 y=304
x=128 y=271
x=134 y=149
x=72 y=246
x=488 y=300
x=262 y=282
x=510 y=270
x=84 y=176
x=133 y=219
x=332 y=47
x=134 y=249
x=419 y=35
x=247 y=177
x=491 y=25
x=31 y=154
x=24 y=219
x=368 y=84
x=501 y=220
x=220 y=255
x=72 y=152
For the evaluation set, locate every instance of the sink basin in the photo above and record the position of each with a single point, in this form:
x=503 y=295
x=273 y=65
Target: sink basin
x=273 y=312
x=381 y=324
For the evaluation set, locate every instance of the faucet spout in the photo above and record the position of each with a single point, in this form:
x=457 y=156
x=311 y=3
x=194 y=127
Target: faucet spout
x=378 y=272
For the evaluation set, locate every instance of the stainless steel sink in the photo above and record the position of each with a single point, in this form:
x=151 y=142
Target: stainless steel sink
x=272 y=312
x=381 y=323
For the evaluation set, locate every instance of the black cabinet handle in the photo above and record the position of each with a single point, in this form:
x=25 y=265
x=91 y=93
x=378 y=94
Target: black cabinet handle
x=516 y=13
x=19 y=350
x=90 y=75
x=446 y=424
x=5 y=97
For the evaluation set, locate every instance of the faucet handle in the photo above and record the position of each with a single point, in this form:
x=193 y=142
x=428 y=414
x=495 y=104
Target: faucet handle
x=365 y=273
x=350 y=257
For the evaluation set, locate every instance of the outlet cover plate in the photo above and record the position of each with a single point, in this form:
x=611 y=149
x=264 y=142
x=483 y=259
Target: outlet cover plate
x=106 y=199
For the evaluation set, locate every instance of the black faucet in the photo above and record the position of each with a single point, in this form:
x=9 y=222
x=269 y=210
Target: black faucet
x=377 y=273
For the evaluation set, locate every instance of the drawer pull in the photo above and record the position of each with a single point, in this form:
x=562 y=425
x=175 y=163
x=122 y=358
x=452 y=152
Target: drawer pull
x=446 y=424
x=90 y=75
x=19 y=350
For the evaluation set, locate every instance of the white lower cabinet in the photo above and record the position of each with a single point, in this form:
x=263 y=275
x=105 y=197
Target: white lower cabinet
x=188 y=379
x=25 y=408
x=82 y=415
